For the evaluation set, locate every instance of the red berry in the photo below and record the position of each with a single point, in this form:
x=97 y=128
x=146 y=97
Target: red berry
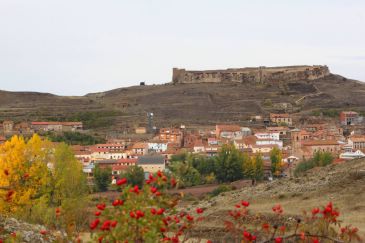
x=117 y=202
x=199 y=210
x=160 y=211
x=173 y=182
x=121 y=181
x=113 y=224
x=245 y=203
x=315 y=211
x=159 y=173
x=189 y=217
x=101 y=206
x=278 y=240
x=94 y=224
x=247 y=235
x=139 y=214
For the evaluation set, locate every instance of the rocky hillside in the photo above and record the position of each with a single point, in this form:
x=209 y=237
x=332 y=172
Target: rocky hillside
x=24 y=232
x=202 y=103
x=342 y=184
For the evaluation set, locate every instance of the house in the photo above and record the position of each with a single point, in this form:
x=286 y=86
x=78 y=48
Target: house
x=156 y=147
x=118 y=169
x=141 y=130
x=83 y=156
x=356 y=142
x=268 y=135
x=228 y=131
x=253 y=145
x=281 y=130
x=151 y=163
x=22 y=128
x=111 y=146
x=56 y=126
x=140 y=148
x=281 y=118
x=99 y=153
x=245 y=143
x=349 y=118
x=189 y=140
x=263 y=148
x=212 y=150
x=127 y=161
x=352 y=155
x=312 y=146
x=8 y=127
x=269 y=138
x=106 y=163
x=199 y=146
x=171 y=135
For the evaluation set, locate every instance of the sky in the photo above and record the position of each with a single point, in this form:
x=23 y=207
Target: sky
x=74 y=47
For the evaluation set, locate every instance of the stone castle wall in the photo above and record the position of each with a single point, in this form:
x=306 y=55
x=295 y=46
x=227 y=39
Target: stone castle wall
x=253 y=75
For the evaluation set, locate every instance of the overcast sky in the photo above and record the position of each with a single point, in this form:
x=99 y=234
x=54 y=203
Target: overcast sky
x=72 y=47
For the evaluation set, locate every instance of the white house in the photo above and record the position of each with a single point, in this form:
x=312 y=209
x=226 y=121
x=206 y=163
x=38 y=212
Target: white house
x=268 y=135
x=352 y=155
x=157 y=147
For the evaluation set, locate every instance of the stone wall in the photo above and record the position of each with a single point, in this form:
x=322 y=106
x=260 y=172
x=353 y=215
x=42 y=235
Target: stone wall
x=251 y=75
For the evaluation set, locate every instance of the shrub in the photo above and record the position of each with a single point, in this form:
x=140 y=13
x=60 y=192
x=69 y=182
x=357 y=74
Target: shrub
x=102 y=178
x=319 y=159
x=220 y=189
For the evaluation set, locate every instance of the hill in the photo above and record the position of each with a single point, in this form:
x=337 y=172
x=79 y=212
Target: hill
x=341 y=184
x=193 y=104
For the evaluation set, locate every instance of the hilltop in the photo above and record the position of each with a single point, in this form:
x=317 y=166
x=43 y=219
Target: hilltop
x=193 y=104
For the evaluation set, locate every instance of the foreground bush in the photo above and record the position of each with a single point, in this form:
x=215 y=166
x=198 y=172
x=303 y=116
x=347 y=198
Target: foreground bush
x=148 y=214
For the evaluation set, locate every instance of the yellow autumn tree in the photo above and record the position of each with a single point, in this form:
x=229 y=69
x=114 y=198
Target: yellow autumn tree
x=24 y=175
x=36 y=177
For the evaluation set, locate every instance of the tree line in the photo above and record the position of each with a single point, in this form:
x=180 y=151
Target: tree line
x=229 y=165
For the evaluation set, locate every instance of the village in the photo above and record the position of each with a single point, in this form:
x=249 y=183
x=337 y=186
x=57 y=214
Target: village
x=342 y=137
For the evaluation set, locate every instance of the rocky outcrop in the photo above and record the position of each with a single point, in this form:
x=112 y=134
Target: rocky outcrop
x=24 y=232
x=253 y=75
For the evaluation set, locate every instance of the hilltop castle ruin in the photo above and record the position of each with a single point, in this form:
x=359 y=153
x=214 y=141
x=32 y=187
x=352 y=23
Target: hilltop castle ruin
x=251 y=74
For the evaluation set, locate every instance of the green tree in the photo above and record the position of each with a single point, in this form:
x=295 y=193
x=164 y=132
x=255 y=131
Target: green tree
x=102 y=178
x=203 y=164
x=259 y=167
x=185 y=174
x=228 y=164
x=247 y=167
x=276 y=161
x=253 y=167
x=135 y=175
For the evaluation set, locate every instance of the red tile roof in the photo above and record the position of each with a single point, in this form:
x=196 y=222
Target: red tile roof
x=357 y=138
x=229 y=128
x=283 y=115
x=58 y=123
x=319 y=142
x=124 y=161
x=119 y=167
